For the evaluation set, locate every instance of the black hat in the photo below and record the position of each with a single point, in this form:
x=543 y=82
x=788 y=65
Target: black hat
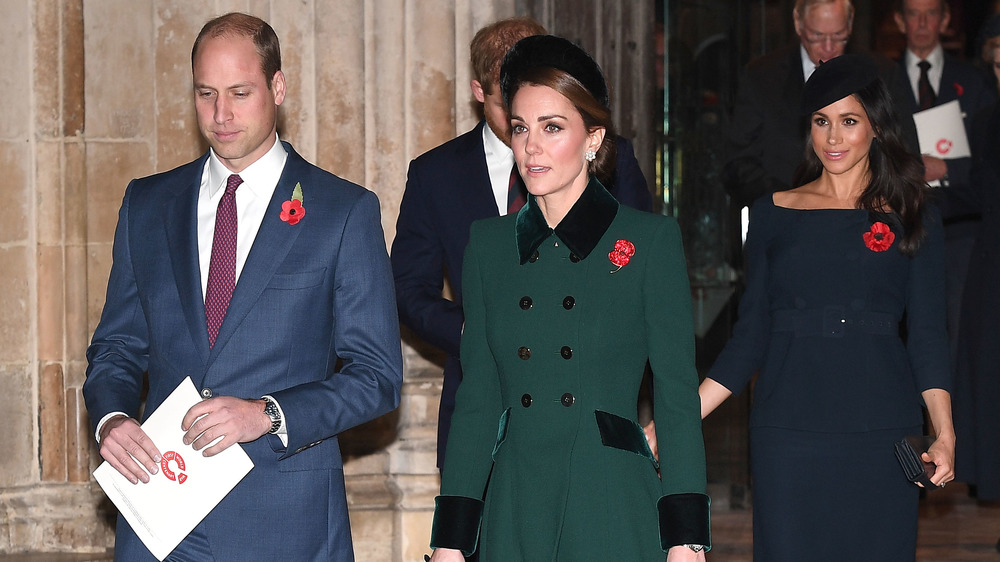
x=550 y=51
x=836 y=79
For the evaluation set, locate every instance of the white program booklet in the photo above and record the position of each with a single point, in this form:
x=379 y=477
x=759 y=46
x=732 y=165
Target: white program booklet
x=187 y=485
x=941 y=132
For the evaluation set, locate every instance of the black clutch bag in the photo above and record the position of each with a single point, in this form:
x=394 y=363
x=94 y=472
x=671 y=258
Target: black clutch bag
x=908 y=451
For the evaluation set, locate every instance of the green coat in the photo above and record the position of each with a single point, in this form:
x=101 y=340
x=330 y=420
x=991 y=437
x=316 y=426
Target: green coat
x=555 y=343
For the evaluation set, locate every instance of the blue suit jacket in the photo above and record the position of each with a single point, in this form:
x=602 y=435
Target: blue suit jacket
x=447 y=189
x=971 y=87
x=312 y=322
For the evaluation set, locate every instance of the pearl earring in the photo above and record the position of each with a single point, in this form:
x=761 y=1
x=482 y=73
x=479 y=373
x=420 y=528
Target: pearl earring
x=590 y=155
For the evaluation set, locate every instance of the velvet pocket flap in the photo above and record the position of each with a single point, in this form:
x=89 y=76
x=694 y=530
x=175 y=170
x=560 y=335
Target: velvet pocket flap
x=501 y=432
x=625 y=434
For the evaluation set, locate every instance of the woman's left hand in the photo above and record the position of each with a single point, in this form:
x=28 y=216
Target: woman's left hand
x=684 y=554
x=650 y=431
x=942 y=454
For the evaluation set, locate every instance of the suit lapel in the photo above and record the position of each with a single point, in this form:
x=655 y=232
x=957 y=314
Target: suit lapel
x=946 y=91
x=477 y=192
x=181 y=223
x=273 y=241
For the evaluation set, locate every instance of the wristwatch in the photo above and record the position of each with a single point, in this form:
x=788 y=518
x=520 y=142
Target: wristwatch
x=696 y=547
x=271 y=409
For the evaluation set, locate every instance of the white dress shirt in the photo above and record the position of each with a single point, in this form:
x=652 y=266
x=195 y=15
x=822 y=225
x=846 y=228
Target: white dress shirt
x=499 y=161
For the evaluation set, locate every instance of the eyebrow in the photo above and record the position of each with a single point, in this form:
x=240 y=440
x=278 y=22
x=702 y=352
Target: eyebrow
x=842 y=115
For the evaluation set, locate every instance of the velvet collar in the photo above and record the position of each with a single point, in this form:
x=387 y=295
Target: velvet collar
x=581 y=229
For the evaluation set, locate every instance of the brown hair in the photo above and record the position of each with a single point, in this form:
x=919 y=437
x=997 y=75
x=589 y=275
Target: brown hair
x=236 y=24
x=594 y=114
x=492 y=42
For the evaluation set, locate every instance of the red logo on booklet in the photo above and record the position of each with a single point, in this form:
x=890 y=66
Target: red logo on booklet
x=179 y=477
x=943 y=146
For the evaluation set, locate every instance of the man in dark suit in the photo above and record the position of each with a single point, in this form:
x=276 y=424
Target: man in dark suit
x=468 y=178
x=220 y=275
x=768 y=135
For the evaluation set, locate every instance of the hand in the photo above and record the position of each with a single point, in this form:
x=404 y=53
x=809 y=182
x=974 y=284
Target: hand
x=650 y=431
x=934 y=167
x=123 y=443
x=942 y=454
x=682 y=553
x=447 y=555
x=233 y=419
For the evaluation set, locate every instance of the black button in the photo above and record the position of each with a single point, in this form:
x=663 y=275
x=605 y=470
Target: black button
x=567 y=399
x=524 y=353
x=574 y=258
x=566 y=352
x=526 y=400
x=206 y=392
x=534 y=257
x=525 y=303
x=569 y=302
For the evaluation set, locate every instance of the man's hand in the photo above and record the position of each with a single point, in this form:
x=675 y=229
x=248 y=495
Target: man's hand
x=123 y=443
x=934 y=167
x=235 y=420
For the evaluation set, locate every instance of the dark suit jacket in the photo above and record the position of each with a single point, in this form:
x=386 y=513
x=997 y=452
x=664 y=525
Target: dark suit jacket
x=309 y=294
x=974 y=92
x=767 y=137
x=448 y=188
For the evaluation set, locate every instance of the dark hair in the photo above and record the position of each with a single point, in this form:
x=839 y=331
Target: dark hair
x=236 y=24
x=901 y=6
x=594 y=113
x=492 y=42
x=896 y=190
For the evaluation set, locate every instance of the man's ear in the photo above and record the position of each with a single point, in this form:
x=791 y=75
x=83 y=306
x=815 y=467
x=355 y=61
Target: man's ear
x=278 y=87
x=477 y=91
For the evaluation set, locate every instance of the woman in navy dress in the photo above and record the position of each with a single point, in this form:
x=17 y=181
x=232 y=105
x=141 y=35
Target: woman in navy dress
x=837 y=268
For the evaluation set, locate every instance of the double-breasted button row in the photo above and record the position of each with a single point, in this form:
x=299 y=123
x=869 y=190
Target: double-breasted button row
x=566 y=400
x=524 y=352
x=526 y=302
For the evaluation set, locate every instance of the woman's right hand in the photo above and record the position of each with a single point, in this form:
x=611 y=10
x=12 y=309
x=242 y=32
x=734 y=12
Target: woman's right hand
x=447 y=555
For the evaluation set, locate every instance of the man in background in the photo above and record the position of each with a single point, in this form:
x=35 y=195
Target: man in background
x=465 y=179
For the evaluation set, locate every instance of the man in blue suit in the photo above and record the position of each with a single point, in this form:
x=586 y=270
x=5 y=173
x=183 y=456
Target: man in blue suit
x=265 y=279
x=465 y=179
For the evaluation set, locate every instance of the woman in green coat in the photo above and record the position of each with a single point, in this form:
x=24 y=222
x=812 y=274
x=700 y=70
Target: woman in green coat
x=564 y=304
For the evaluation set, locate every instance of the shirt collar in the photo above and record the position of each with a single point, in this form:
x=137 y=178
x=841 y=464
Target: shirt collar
x=808 y=66
x=580 y=230
x=494 y=147
x=259 y=177
x=936 y=58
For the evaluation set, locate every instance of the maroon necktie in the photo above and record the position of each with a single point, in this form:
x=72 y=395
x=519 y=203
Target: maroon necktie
x=924 y=88
x=222 y=267
x=515 y=192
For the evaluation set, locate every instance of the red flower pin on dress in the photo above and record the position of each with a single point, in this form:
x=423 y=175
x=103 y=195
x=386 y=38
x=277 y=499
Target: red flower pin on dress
x=624 y=250
x=959 y=89
x=879 y=238
x=292 y=210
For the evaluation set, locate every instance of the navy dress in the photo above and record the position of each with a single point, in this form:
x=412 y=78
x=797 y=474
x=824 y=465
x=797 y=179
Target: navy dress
x=821 y=321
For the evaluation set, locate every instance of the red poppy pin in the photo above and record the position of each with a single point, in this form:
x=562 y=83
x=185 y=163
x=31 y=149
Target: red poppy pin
x=292 y=210
x=959 y=89
x=879 y=238
x=623 y=252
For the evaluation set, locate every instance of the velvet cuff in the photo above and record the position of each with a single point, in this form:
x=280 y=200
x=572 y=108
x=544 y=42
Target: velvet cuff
x=456 y=523
x=684 y=519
